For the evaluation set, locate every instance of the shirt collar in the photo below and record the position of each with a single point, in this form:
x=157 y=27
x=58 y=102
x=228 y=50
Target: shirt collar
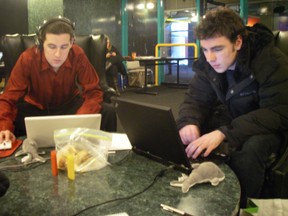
x=232 y=67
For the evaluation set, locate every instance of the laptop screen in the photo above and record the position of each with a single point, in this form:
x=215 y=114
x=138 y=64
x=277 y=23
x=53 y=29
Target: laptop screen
x=40 y=129
x=152 y=132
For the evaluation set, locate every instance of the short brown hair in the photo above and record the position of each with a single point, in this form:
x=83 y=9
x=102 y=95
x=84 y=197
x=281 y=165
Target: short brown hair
x=220 y=21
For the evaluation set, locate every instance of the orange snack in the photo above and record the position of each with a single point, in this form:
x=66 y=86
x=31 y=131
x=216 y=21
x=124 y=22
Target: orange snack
x=54 y=163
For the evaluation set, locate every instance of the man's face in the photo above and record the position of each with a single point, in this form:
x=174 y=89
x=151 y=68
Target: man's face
x=220 y=53
x=56 y=49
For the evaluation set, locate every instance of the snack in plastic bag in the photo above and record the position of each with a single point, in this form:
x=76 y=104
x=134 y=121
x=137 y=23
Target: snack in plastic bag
x=88 y=146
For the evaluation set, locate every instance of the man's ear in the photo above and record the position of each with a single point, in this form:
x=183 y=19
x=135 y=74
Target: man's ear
x=238 y=42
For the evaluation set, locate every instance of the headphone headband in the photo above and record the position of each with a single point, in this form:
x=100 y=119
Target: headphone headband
x=56 y=19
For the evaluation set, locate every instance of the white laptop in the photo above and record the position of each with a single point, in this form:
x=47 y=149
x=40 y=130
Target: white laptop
x=41 y=128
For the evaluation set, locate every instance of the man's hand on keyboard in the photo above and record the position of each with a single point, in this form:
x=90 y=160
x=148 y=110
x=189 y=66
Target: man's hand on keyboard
x=6 y=139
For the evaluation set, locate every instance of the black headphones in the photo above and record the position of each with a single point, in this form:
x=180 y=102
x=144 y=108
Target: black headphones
x=41 y=29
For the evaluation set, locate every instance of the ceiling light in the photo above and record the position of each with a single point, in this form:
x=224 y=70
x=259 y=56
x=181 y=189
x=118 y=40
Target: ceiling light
x=263 y=10
x=140 y=6
x=150 y=5
x=130 y=7
x=194 y=19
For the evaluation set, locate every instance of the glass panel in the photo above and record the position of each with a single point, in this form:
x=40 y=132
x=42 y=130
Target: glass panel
x=179 y=24
x=179 y=30
x=272 y=13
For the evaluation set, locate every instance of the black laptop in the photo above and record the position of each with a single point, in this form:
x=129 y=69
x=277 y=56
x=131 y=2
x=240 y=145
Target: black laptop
x=152 y=132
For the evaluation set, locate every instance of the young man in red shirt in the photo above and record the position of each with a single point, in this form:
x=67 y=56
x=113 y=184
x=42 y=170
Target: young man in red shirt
x=46 y=80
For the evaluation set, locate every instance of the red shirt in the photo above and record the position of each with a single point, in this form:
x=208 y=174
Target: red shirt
x=33 y=78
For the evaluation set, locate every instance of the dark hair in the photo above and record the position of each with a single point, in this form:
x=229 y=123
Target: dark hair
x=220 y=21
x=57 y=25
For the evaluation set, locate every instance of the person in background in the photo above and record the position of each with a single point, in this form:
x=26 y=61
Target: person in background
x=114 y=65
x=237 y=99
x=45 y=81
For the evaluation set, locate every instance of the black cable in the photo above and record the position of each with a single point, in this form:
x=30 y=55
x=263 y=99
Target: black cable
x=159 y=175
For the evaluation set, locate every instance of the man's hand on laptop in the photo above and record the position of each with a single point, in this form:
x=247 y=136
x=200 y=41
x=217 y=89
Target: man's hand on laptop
x=205 y=144
x=189 y=133
x=7 y=135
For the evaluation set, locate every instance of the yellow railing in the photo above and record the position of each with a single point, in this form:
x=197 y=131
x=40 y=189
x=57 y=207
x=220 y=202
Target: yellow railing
x=172 y=45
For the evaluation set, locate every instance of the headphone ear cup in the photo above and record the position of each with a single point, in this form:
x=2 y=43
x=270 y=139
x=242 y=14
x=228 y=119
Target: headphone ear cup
x=38 y=40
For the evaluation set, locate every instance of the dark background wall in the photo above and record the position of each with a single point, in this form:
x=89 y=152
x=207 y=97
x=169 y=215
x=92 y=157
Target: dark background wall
x=90 y=17
x=96 y=17
x=40 y=10
x=104 y=17
x=142 y=29
x=13 y=17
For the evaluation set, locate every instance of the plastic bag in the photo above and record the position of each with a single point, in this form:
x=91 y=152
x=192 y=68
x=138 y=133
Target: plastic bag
x=88 y=146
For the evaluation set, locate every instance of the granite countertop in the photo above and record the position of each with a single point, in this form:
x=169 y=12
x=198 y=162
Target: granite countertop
x=113 y=189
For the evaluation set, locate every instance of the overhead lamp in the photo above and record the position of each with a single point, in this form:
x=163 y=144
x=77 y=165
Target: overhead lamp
x=263 y=10
x=149 y=5
x=130 y=7
x=142 y=6
x=194 y=19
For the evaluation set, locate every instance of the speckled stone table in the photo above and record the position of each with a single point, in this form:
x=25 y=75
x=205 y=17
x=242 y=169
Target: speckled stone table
x=113 y=189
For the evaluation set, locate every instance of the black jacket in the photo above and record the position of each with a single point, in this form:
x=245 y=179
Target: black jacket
x=257 y=104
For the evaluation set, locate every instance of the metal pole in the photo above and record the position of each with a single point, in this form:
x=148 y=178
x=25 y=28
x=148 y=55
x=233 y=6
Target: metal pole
x=124 y=26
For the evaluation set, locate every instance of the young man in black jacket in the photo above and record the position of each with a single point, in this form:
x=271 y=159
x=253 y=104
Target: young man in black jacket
x=238 y=97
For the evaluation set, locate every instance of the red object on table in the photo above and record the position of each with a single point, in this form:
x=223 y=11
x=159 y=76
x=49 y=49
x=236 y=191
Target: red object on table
x=54 y=163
